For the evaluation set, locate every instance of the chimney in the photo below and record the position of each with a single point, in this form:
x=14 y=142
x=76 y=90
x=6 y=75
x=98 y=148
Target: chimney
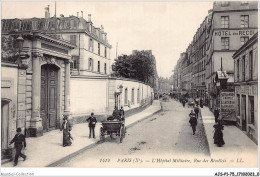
x=47 y=12
x=61 y=15
x=102 y=28
x=89 y=17
x=81 y=14
x=77 y=14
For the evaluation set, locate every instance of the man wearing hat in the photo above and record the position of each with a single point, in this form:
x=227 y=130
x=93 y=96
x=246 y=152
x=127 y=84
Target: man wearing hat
x=92 y=123
x=19 y=142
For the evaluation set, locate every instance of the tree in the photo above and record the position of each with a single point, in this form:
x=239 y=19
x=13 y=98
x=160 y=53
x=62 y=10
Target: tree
x=139 y=66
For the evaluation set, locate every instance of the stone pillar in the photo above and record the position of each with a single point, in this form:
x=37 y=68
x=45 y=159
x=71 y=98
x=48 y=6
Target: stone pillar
x=67 y=88
x=36 y=122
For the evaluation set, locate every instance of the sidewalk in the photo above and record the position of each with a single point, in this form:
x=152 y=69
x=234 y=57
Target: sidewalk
x=47 y=149
x=237 y=143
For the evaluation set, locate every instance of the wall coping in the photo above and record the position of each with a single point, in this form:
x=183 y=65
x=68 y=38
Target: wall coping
x=109 y=78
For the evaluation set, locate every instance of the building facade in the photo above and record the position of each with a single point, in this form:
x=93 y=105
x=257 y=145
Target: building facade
x=246 y=86
x=35 y=81
x=232 y=24
x=228 y=25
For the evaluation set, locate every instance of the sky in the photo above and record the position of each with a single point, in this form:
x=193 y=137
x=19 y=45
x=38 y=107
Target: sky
x=166 y=27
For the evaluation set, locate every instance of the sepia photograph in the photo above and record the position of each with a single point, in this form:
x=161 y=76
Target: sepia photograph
x=129 y=84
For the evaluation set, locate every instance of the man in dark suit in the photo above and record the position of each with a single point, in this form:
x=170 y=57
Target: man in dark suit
x=197 y=110
x=19 y=143
x=92 y=123
x=122 y=113
x=216 y=114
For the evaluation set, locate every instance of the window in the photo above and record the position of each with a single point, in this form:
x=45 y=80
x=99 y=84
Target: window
x=243 y=67
x=90 y=64
x=105 y=52
x=91 y=45
x=225 y=43
x=126 y=96
x=243 y=40
x=16 y=24
x=244 y=2
x=251 y=110
x=237 y=70
x=238 y=105
x=225 y=22
x=75 y=62
x=34 y=25
x=98 y=67
x=224 y=3
x=133 y=96
x=73 y=39
x=251 y=64
x=98 y=48
x=244 y=21
x=105 y=68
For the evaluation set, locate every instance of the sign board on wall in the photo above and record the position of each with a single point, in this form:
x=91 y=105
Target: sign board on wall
x=227 y=105
x=234 y=32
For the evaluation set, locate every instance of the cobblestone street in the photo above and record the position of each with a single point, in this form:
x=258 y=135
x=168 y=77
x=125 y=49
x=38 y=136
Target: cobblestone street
x=163 y=136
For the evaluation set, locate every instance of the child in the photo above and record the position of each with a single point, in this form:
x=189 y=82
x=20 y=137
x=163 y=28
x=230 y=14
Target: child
x=19 y=142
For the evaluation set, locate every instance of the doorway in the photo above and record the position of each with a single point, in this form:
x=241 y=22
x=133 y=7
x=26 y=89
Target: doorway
x=243 y=112
x=49 y=95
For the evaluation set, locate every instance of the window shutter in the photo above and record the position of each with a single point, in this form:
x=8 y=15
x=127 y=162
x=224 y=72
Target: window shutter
x=247 y=67
x=255 y=65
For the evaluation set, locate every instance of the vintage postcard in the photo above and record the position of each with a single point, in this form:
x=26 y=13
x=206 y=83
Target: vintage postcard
x=129 y=84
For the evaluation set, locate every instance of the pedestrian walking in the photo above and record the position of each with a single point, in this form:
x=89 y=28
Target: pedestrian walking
x=218 y=134
x=183 y=102
x=197 y=110
x=201 y=103
x=216 y=114
x=19 y=143
x=92 y=123
x=66 y=127
x=193 y=121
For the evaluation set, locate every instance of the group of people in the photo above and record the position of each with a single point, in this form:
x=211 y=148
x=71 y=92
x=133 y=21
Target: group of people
x=218 y=127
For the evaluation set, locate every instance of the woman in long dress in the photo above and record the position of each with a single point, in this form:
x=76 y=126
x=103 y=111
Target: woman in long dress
x=66 y=127
x=218 y=134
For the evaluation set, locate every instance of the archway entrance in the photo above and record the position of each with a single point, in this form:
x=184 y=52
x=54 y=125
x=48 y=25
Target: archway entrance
x=49 y=96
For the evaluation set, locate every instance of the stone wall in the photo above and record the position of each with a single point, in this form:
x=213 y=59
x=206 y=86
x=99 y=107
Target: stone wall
x=97 y=94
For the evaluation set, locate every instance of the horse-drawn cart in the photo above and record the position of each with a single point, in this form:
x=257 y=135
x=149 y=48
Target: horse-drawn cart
x=112 y=127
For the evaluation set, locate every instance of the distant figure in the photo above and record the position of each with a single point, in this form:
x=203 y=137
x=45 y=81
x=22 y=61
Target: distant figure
x=218 y=134
x=183 y=102
x=91 y=124
x=216 y=114
x=19 y=143
x=201 y=103
x=197 y=110
x=66 y=127
x=193 y=121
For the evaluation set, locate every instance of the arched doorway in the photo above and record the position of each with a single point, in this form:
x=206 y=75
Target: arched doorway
x=49 y=96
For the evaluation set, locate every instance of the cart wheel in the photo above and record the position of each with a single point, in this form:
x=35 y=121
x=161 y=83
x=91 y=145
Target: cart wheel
x=121 y=134
x=102 y=136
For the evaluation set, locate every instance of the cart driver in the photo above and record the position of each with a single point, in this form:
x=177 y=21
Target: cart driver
x=116 y=114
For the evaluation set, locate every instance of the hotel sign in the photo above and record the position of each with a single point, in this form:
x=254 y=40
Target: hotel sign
x=234 y=33
x=227 y=106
